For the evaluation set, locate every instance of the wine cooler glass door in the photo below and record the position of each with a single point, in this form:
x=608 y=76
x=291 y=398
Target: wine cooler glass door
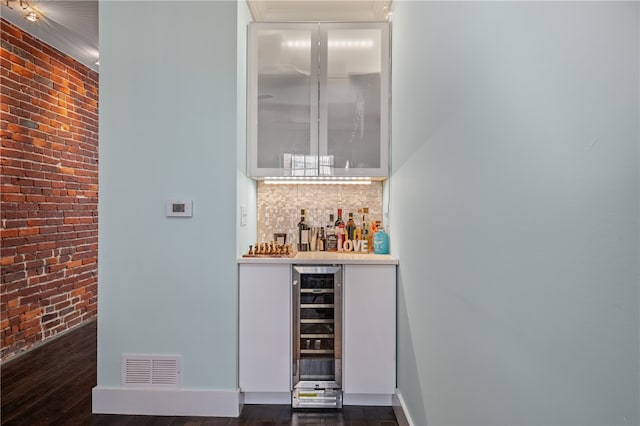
x=317 y=363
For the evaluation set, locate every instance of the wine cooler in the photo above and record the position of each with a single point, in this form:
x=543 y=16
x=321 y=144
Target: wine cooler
x=317 y=337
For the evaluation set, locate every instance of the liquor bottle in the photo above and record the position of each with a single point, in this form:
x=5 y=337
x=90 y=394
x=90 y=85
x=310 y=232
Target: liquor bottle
x=332 y=238
x=303 y=232
x=340 y=230
x=380 y=241
x=357 y=233
x=364 y=234
x=350 y=227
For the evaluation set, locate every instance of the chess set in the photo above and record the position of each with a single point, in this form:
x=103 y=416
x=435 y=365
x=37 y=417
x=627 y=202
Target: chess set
x=270 y=249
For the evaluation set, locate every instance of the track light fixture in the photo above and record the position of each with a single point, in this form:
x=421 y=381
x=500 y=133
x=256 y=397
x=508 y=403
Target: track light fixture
x=30 y=13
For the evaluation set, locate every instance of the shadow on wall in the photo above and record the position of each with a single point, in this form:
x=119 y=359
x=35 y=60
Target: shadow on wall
x=408 y=384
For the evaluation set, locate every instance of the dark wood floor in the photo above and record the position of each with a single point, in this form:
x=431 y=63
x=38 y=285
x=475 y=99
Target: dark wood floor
x=51 y=385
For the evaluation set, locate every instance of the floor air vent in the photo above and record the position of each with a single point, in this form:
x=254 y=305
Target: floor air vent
x=145 y=371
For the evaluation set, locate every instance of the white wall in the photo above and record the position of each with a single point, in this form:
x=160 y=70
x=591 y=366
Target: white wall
x=168 y=130
x=514 y=211
x=247 y=196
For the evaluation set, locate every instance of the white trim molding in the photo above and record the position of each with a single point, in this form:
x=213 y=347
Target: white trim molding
x=267 y=397
x=400 y=410
x=371 y=399
x=166 y=402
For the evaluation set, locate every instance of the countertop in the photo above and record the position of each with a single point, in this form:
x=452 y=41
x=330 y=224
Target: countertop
x=323 y=257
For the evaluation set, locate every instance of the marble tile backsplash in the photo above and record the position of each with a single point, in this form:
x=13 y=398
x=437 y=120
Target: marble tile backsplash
x=279 y=206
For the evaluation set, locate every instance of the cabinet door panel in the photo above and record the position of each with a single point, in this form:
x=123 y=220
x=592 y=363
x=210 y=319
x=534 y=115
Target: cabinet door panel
x=265 y=328
x=353 y=97
x=283 y=103
x=369 y=329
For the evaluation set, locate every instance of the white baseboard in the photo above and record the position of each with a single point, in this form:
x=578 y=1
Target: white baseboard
x=400 y=410
x=366 y=399
x=267 y=397
x=348 y=398
x=166 y=402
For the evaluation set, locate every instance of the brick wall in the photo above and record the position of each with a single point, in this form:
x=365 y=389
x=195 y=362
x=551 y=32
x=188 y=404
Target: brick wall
x=49 y=185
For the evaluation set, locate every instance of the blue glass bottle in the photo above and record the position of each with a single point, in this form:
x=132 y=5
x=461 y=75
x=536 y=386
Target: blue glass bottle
x=381 y=242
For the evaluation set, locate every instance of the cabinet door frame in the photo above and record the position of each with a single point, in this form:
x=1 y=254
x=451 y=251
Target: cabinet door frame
x=264 y=326
x=385 y=100
x=252 y=93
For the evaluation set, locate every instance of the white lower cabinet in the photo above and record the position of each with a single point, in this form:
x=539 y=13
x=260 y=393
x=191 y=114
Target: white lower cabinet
x=369 y=337
x=265 y=328
x=369 y=333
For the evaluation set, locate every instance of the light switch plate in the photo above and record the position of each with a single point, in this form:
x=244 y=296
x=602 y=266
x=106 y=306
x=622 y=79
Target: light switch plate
x=179 y=208
x=243 y=215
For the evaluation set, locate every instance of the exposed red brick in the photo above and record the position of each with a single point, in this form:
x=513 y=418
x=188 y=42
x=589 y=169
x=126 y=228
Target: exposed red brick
x=49 y=187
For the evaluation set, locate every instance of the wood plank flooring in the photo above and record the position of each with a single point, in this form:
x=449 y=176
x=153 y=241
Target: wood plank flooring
x=51 y=385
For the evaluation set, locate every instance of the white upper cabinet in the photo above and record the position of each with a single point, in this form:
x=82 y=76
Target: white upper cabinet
x=318 y=99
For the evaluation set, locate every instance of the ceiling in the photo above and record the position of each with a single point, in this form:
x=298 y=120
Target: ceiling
x=319 y=10
x=71 y=26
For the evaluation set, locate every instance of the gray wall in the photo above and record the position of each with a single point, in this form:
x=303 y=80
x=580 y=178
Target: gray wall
x=168 y=79
x=514 y=211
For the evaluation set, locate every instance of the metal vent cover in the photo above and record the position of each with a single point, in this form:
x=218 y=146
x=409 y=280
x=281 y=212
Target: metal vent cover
x=155 y=371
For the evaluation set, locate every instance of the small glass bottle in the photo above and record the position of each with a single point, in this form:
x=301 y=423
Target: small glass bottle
x=322 y=240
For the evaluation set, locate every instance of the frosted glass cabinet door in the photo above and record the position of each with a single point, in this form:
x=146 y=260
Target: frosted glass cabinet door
x=283 y=99
x=354 y=97
x=318 y=99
